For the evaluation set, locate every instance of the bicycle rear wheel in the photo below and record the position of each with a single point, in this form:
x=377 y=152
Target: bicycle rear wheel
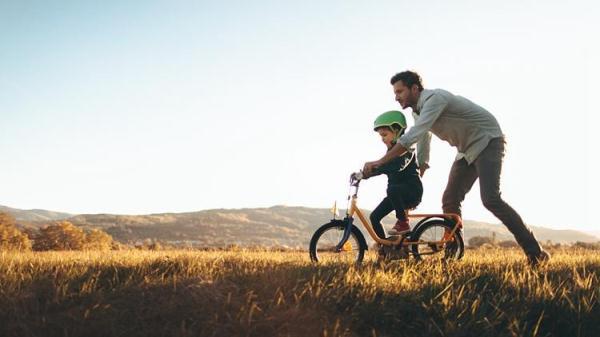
x=428 y=237
x=325 y=239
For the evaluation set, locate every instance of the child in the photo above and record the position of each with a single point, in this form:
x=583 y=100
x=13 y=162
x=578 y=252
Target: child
x=404 y=189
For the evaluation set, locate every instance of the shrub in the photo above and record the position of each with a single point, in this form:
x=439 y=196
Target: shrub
x=508 y=244
x=98 y=240
x=60 y=236
x=11 y=238
x=587 y=245
x=478 y=241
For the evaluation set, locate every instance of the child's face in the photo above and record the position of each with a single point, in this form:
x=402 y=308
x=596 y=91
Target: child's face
x=387 y=136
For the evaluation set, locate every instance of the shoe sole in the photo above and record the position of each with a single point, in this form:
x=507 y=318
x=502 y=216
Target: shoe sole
x=398 y=233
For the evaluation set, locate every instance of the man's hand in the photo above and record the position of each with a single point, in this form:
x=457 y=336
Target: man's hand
x=370 y=166
x=422 y=170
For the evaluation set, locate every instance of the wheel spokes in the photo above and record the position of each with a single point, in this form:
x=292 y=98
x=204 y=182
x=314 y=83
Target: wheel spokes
x=327 y=243
x=432 y=243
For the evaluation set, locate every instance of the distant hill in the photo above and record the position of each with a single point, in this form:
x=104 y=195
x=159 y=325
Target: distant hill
x=34 y=214
x=273 y=226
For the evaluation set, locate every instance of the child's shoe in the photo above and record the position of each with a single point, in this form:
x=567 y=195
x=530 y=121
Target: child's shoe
x=401 y=227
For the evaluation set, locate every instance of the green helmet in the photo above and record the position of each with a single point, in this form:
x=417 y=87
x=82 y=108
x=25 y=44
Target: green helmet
x=390 y=118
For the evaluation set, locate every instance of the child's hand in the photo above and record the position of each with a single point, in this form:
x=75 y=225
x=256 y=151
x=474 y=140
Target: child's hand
x=356 y=176
x=370 y=166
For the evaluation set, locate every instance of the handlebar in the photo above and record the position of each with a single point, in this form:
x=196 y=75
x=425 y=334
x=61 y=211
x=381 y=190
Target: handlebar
x=354 y=182
x=355 y=178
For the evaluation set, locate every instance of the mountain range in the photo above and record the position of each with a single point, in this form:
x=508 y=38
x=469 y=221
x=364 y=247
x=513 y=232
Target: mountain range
x=274 y=226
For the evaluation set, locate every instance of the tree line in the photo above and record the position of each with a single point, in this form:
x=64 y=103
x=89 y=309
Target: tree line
x=61 y=235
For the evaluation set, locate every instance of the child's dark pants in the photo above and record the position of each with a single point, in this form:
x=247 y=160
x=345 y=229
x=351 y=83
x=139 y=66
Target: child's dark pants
x=400 y=197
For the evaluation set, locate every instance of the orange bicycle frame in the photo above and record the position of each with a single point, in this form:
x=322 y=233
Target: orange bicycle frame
x=367 y=224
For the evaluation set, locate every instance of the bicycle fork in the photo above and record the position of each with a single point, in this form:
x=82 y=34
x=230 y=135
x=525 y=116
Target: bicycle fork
x=347 y=231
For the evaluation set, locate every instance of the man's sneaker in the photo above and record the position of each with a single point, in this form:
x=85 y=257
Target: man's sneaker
x=542 y=257
x=401 y=227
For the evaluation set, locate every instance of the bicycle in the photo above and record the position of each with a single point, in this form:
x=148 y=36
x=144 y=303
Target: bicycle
x=435 y=236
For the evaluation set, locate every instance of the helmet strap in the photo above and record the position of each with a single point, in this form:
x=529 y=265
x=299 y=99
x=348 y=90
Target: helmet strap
x=397 y=135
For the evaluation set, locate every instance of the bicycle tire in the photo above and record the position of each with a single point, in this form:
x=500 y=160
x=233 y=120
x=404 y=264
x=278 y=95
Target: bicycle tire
x=323 y=242
x=433 y=230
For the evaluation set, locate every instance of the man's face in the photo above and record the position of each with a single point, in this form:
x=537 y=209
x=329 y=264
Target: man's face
x=407 y=97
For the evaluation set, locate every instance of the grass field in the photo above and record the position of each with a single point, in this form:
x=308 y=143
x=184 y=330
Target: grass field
x=239 y=293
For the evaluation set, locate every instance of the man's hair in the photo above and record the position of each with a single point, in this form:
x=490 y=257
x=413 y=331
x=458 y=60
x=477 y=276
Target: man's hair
x=409 y=78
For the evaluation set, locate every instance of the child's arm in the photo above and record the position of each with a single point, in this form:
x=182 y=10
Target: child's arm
x=362 y=175
x=373 y=173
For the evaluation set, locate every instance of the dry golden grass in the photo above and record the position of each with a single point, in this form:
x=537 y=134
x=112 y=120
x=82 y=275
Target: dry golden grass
x=191 y=293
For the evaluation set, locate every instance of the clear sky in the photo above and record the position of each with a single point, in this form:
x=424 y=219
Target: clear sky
x=138 y=107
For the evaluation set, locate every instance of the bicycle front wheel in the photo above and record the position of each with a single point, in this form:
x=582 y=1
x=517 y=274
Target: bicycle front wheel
x=325 y=239
x=429 y=243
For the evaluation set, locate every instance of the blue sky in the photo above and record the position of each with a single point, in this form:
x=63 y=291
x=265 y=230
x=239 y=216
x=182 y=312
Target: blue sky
x=154 y=106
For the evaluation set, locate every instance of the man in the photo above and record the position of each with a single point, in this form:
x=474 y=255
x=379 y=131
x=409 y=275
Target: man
x=480 y=143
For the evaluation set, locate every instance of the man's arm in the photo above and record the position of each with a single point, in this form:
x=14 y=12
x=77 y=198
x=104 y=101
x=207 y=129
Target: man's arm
x=432 y=109
x=396 y=151
x=423 y=147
